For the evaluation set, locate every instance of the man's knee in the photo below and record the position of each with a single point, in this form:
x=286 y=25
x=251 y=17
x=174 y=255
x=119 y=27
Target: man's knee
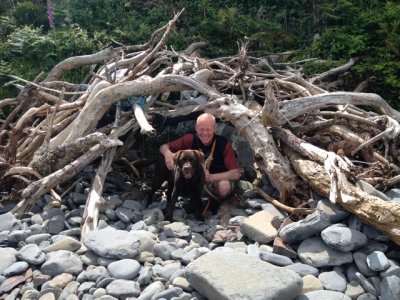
x=224 y=188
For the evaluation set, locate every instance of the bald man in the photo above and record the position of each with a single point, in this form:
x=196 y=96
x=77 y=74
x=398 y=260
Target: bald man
x=224 y=169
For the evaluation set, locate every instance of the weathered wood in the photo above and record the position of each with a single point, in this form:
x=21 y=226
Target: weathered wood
x=380 y=214
x=90 y=215
x=40 y=187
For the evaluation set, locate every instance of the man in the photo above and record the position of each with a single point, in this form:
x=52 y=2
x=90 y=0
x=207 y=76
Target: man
x=223 y=170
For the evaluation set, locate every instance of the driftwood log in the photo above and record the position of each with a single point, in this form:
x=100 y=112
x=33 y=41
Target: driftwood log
x=298 y=130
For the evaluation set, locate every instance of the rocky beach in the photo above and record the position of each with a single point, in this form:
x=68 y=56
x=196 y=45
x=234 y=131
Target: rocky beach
x=253 y=251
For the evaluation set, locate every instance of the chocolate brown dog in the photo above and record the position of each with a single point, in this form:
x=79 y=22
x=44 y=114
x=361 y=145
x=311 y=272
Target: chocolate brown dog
x=186 y=179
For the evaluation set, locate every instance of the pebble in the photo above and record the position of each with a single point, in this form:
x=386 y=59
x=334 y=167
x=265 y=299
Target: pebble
x=299 y=231
x=135 y=253
x=343 y=238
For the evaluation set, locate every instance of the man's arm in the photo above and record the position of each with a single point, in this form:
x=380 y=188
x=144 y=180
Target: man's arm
x=170 y=148
x=169 y=162
x=228 y=175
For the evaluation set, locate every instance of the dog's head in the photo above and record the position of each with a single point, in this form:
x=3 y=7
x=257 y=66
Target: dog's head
x=189 y=162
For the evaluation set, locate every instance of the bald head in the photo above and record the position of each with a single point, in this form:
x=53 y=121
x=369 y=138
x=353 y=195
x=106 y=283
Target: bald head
x=206 y=127
x=206 y=118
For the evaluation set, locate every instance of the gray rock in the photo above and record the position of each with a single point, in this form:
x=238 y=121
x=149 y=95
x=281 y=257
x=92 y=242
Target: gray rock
x=275 y=259
x=170 y=293
x=145 y=275
x=315 y=252
x=110 y=213
x=253 y=250
x=333 y=281
x=153 y=216
x=256 y=203
x=367 y=296
x=103 y=282
x=164 y=249
x=151 y=290
x=390 y=288
x=366 y=284
x=368 y=188
x=18 y=235
x=194 y=254
x=374 y=234
x=124 y=269
x=167 y=271
x=303 y=269
x=355 y=223
x=66 y=243
x=361 y=261
x=62 y=261
x=335 y=212
x=354 y=290
x=8 y=222
x=374 y=246
x=199 y=239
x=38 y=238
x=122 y=288
x=393 y=194
x=343 y=238
x=376 y=282
x=92 y=274
x=351 y=271
x=178 y=230
x=132 y=204
x=124 y=214
x=30 y=294
x=85 y=287
x=392 y=271
x=55 y=224
x=259 y=227
x=253 y=279
x=75 y=221
x=7 y=258
x=32 y=254
x=89 y=258
x=113 y=244
x=298 y=231
x=377 y=261
x=16 y=268
x=323 y=295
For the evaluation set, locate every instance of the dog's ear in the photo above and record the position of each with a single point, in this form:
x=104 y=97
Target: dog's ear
x=175 y=156
x=200 y=156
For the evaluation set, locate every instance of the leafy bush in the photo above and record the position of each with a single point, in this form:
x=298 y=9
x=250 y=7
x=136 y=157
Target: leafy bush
x=29 y=13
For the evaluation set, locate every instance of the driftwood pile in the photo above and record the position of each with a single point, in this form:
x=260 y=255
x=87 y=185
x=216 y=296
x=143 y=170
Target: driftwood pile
x=302 y=135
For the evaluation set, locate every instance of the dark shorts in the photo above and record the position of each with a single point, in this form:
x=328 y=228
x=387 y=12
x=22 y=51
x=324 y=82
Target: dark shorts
x=213 y=187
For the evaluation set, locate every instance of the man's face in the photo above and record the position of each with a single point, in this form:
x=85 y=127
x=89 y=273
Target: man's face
x=205 y=131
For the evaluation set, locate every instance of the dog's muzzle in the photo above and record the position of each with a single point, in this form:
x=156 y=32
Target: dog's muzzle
x=187 y=172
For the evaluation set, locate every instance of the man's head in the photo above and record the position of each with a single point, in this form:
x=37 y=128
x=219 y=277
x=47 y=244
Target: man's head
x=206 y=128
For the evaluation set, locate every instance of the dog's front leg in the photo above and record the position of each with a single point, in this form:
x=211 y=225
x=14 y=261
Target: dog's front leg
x=171 y=205
x=174 y=197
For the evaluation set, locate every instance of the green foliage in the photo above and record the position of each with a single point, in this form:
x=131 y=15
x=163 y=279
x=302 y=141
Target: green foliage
x=369 y=30
x=28 y=51
x=311 y=68
x=29 y=13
